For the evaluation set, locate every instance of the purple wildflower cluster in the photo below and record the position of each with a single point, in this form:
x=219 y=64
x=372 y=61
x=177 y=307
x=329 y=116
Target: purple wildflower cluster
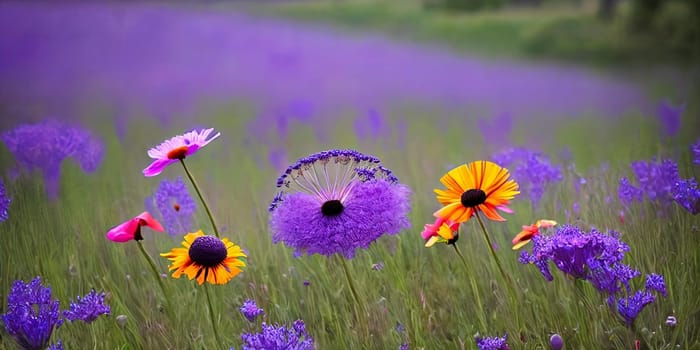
x=336 y=202
x=687 y=194
x=695 y=148
x=175 y=205
x=88 y=308
x=660 y=181
x=670 y=117
x=32 y=313
x=45 y=145
x=595 y=257
x=492 y=343
x=532 y=170
x=4 y=202
x=250 y=310
x=279 y=337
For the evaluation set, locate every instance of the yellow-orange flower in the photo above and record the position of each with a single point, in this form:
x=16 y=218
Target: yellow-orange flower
x=478 y=186
x=530 y=231
x=206 y=258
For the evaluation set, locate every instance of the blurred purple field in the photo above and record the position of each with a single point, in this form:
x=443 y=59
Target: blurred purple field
x=167 y=61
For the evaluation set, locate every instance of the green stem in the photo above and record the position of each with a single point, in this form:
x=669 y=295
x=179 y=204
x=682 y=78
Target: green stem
x=199 y=193
x=350 y=281
x=475 y=290
x=152 y=264
x=508 y=280
x=493 y=251
x=211 y=315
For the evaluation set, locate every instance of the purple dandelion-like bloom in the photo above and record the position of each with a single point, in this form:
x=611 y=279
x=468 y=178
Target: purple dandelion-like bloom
x=670 y=117
x=336 y=202
x=628 y=193
x=87 y=308
x=44 y=146
x=4 y=203
x=174 y=204
x=687 y=194
x=279 y=337
x=695 y=148
x=250 y=310
x=32 y=314
x=656 y=178
x=532 y=170
x=492 y=343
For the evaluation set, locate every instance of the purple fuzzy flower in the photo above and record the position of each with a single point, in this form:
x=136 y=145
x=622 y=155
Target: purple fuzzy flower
x=336 y=202
x=32 y=314
x=492 y=343
x=670 y=117
x=404 y=346
x=279 y=337
x=174 y=204
x=45 y=145
x=628 y=193
x=656 y=179
x=687 y=194
x=87 y=308
x=695 y=148
x=4 y=202
x=250 y=310
x=532 y=170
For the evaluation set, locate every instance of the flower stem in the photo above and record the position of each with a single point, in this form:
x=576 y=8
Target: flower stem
x=350 y=280
x=211 y=315
x=475 y=289
x=152 y=264
x=199 y=193
x=493 y=251
x=506 y=277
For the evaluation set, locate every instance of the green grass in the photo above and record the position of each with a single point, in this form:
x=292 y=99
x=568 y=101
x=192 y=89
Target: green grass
x=563 y=32
x=427 y=290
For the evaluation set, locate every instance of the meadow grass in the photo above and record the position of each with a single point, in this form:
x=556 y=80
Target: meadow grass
x=562 y=31
x=426 y=290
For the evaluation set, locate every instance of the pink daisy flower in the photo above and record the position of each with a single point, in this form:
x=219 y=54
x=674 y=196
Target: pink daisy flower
x=131 y=229
x=177 y=148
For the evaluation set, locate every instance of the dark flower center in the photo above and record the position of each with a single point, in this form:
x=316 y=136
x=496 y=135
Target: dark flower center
x=207 y=251
x=473 y=197
x=332 y=207
x=454 y=239
x=178 y=153
x=176 y=207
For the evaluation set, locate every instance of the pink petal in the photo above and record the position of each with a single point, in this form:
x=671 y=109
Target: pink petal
x=123 y=232
x=505 y=209
x=148 y=220
x=157 y=167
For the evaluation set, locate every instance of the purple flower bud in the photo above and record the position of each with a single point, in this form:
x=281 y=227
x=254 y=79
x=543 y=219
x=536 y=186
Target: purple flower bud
x=556 y=342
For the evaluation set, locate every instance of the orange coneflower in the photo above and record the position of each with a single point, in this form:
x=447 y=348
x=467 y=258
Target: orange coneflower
x=206 y=258
x=478 y=186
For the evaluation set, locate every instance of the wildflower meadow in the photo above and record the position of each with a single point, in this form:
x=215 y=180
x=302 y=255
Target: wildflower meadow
x=203 y=178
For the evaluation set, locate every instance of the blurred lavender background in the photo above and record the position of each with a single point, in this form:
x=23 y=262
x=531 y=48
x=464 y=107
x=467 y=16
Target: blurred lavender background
x=168 y=61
